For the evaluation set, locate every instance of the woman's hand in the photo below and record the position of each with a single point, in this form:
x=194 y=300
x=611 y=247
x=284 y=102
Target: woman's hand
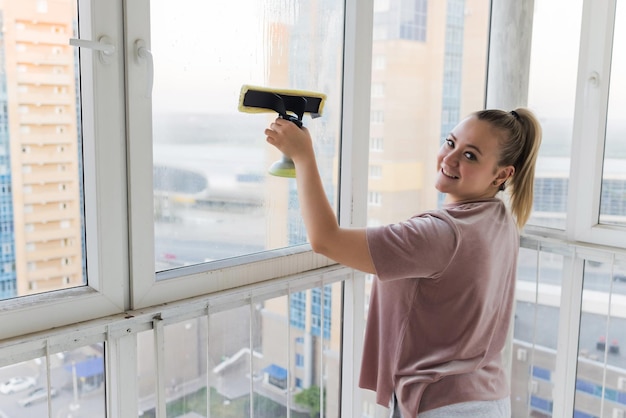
x=291 y=140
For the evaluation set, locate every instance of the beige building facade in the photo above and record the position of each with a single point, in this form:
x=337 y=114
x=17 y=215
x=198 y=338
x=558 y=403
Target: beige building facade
x=39 y=66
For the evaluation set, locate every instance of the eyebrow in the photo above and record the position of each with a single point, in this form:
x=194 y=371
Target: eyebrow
x=468 y=145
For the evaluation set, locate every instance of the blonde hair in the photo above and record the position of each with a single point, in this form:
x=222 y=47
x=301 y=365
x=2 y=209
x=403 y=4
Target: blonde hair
x=520 y=141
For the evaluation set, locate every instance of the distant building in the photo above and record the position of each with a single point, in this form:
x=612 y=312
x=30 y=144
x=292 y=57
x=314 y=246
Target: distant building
x=40 y=190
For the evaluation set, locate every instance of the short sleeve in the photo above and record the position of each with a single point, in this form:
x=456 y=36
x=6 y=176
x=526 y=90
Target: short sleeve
x=421 y=247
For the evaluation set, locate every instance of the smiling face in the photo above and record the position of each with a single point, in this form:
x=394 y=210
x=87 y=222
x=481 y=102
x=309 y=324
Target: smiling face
x=468 y=163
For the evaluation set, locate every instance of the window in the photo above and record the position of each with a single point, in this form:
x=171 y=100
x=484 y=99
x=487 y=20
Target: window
x=374 y=198
x=595 y=210
x=414 y=19
x=378 y=90
x=400 y=20
x=377 y=117
x=556 y=110
x=376 y=144
x=298 y=310
x=134 y=162
x=237 y=223
x=613 y=197
x=29 y=135
x=601 y=339
x=376 y=171
x=539 y=280
x=379 y=62
x=44 y=82
x=212 y=204
x=577 y=199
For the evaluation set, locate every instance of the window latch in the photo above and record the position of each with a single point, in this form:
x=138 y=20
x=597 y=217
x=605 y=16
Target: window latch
x=103 y=46
x=143 y=54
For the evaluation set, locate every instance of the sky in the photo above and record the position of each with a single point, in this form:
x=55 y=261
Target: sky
x=196 y=73
x=554 y=63
x=204 y=52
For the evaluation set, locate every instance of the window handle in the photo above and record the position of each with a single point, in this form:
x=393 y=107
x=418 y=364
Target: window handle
x=143 y=54
x=103 y=46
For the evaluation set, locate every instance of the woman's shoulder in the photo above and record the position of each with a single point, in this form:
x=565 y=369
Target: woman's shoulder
x=480 y=208
x=476 y=214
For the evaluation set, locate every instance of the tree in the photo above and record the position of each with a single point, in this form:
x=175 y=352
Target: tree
x=310 y=399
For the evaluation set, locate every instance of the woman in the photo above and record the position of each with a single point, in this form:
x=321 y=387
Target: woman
x=444 y=290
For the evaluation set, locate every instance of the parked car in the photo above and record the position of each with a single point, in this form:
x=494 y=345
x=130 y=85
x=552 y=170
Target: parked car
x=16 y=384
x=37 y=395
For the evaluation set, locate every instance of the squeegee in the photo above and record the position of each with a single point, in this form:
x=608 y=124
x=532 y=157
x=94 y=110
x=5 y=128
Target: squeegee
x=290 y=105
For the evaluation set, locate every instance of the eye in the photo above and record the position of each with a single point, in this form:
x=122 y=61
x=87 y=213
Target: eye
x=449 y=142
x=470 y=156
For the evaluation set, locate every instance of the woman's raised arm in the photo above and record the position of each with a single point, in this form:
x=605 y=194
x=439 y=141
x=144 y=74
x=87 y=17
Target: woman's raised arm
x=347 y=246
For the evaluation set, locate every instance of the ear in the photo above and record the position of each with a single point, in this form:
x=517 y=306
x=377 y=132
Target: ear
x=503 y=175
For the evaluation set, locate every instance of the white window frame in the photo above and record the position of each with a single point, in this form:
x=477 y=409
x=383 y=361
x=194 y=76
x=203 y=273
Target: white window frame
x=104 y=164
x=583 y=234
x=118 y=182
x=592 y=92
x=149 y=288
x=588 y=138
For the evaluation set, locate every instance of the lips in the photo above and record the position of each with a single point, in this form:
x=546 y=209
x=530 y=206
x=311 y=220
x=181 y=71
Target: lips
x=449 y=175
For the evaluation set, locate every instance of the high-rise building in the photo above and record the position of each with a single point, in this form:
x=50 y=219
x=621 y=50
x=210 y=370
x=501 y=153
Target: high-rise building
x=428 y=71
x=7 y=248
x=39 y=120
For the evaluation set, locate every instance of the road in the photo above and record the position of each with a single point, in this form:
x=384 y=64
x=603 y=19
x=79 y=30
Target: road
x=200 y=235
x=65 y=405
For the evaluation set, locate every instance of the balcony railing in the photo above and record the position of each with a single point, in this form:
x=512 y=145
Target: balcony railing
x=260 y=349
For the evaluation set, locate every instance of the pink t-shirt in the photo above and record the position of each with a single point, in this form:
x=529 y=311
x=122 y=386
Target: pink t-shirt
x=440 y=307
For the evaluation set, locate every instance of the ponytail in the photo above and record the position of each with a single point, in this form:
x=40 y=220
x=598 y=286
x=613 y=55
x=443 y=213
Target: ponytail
x=520 y=140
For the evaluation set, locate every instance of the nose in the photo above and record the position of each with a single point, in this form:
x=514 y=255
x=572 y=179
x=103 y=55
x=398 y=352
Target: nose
x=450 y=158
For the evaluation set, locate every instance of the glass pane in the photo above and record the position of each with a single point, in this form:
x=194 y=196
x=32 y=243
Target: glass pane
x=76 y=385
x=418 y=95
x=294 y=361
x=41 y=205
x=613 y=199
x=81 y=383
x=185 y=367
x=213 y=197
x=601 y=371
x=552 y=88
x=187 y=364
x=535 y=332
x=280 y=361
x=230 y=362
x=146 y=377
x=300 y=346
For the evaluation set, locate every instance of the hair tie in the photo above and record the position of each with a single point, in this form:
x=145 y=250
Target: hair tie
x=515 y=115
